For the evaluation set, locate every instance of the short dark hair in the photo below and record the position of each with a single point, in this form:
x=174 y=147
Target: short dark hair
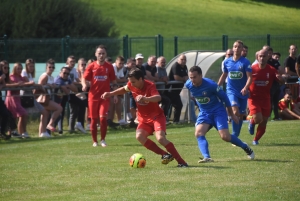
x=66 y=68
x=109 y=59
x=136 y=73
x=130 y=59
x=197 y=69
x=245 y=46
x=101 y=47
x=277 y=53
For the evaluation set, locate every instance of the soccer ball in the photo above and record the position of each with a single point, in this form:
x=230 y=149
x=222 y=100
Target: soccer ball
x=137 y=161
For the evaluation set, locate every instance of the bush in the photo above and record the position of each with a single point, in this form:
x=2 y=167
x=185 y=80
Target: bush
x=49 y=19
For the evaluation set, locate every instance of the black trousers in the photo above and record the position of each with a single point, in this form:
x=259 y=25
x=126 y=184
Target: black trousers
x=176 y=103
x=275 y=93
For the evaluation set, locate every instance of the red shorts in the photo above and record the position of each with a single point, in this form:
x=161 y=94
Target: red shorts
x=157 y=124
x=98 y=108
x=259 y=106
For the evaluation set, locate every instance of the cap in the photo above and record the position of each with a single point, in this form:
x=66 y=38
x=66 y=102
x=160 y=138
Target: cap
x=139 y=56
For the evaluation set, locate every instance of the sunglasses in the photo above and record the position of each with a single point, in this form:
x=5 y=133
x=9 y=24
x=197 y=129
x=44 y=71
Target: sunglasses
x=5 y=67
x=229 y=54
x=51 y=67
x=66 y=73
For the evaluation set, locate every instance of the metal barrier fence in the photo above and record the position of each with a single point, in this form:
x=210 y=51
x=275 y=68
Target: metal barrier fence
x=60 y=48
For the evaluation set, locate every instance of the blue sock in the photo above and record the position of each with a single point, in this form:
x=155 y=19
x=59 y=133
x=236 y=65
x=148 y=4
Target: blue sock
x=235 y=129
x=240 y=125
x=203 y=146
x=236 y=141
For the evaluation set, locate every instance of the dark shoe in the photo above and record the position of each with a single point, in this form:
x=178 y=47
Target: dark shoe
x=5 y=137
x=15 y=134
x=183 y=165
x=133 y=125
x=249 y=152
x=167 y=158
x=60 y=132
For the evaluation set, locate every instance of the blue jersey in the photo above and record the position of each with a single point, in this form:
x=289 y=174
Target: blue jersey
x=237 y=77
x=209 y=96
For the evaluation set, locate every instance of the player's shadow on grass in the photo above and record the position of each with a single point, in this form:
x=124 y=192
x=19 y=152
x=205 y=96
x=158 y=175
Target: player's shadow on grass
x=202 y=166
x=282 y=145
x=35 y=139
x=273 y=160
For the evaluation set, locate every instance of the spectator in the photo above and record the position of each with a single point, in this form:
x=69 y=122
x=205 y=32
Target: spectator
x=290 y=65
x=109 y=60
x=287 y=108
x=118 y=106
x=178 y=72
x=237 y=69
x=298 y=67
x=46 y=79
x=64 y=86
x=162 y=76
x=74 y=102
x=29 y=74
x=150 y=68
x=139 y=59
x=131 y=64
x=81 y=97
x=276 y=55
x=100 y=74
x=13 y=101
x=9 y=122
x=244 y=51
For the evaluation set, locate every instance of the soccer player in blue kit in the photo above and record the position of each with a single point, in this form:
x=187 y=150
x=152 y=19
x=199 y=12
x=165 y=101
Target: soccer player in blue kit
x=239 y=73
x=210 y=97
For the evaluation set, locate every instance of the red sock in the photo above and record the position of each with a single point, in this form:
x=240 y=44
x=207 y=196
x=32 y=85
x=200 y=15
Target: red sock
x=103 y=127
x=260 y=132
x=149 y=144
x=172 y=150
x=94 y=129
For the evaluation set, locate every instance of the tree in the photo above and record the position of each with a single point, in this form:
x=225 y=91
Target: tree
x=48 y=19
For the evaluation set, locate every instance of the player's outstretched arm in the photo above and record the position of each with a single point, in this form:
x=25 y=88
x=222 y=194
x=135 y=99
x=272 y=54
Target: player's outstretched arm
x=119 y=91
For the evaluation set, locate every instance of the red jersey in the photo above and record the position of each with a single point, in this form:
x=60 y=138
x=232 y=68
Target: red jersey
x=146 y=111
x=283 y=105
x=262 y=80
x=100 y=77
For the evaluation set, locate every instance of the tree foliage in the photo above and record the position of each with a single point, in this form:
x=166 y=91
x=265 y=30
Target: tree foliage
x=42 y=26
x=53 y=19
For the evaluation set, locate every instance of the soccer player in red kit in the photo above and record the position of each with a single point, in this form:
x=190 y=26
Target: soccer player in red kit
x=150 y=116
x=263 y=75
x=100 y=74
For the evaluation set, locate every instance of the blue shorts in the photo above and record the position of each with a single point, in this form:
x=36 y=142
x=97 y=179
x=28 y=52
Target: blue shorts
x=216 y=119
x=241 y=103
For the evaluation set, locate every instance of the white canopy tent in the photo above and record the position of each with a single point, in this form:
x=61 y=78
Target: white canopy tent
x=203 y=59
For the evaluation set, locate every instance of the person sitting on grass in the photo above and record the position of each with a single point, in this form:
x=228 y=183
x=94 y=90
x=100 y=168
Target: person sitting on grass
x=288 y=109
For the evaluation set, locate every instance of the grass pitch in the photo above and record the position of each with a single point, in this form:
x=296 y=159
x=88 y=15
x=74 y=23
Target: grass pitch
x=68 y=167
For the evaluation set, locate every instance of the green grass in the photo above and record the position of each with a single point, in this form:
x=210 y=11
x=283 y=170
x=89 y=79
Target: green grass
x=68 y=167
x=201 y=18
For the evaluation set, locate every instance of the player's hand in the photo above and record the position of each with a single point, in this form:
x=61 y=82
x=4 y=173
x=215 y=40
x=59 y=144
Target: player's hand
x=105 y=95
x=115 y=99
x=235 y=119
x=244 y=91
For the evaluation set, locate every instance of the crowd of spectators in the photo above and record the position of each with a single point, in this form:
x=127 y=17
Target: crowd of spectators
x=65 y=90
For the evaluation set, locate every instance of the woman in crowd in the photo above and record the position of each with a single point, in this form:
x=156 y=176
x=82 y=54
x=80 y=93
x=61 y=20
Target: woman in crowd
x=46 y=79
x=81 y=64
x=13 y=101
x=29 y=74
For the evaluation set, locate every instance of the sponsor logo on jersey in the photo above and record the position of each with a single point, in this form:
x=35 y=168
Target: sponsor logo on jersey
x=261 y=83
x=203 y=100
x=235 y=75
x=100 y=78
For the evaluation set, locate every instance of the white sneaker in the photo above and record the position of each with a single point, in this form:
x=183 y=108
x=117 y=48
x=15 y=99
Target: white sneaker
x=25 y=135
x=88 y=127
x=122 y=122
x=78 y=126
x=45 y=134
x=103 y=143
x=95 y=144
